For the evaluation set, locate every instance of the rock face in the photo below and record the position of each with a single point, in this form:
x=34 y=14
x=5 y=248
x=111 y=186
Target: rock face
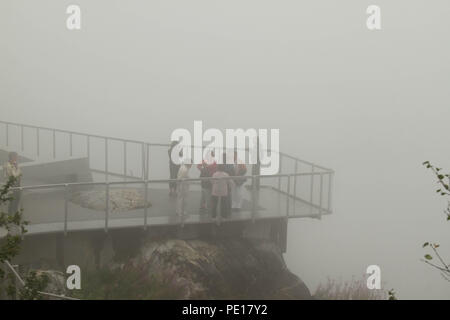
x=218 y=269
x=215 y=262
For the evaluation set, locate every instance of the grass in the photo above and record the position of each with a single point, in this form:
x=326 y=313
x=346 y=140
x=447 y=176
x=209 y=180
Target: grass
x=354 y=289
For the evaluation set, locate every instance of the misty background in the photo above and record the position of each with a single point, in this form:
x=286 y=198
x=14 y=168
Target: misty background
x=372 y=105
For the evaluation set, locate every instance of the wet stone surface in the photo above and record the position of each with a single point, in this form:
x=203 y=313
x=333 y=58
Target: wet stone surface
x=120 y=199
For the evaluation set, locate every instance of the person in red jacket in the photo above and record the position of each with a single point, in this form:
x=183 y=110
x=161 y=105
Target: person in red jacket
x=207 y=168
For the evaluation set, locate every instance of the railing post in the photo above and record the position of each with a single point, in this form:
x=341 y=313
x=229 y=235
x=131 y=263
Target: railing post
x=321 y=194
x=312 y=188
x=280 y=171
x=88 y=148
x=66 y=206
x=54 y=144
x=254 y=205
x=147 y=171
x=143 y=160
x=295 y=181
x=106 y=159
x=38 y=147
x=21 y=138
x=288 y=195
x=70 y=143
x=125 y=160
x=107 y=207
x=145 y=203
x=330 y=190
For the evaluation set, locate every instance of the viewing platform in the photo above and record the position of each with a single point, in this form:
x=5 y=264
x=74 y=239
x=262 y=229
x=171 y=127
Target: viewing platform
x=75 y=181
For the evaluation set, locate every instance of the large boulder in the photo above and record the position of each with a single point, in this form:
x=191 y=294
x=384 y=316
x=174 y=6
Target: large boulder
x=218 y=269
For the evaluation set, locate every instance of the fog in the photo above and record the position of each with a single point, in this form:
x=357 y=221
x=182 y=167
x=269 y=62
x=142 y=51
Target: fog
x=372 y=105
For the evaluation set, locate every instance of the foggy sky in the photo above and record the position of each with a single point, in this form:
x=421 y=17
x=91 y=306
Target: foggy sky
x=371 y=105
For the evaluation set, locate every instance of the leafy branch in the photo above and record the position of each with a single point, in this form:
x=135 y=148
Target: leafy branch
x=10 y=244
x=392 y=295
x=443 y=182
x=443 y=267
x=11 y=223
x=443 y=190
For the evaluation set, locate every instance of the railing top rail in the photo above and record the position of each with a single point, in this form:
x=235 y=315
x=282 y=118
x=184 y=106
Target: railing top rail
x=306 y=162
x=141 y=142
x=103 y=183
x=84 y=134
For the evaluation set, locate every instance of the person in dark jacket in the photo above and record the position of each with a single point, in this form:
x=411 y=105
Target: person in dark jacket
x=173 y=169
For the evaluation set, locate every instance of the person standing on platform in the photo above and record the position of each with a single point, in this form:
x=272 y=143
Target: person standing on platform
x=207 y=168
x=220 y=193
x=173 y=170
x=237 y=188
x=183 y=188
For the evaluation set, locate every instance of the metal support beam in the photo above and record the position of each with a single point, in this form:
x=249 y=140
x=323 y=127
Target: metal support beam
x=22 y=143
x=71 y=144
x=107 y=207
x=54 y=144
x=145 y=204
x=106 y=159
x=66 y=207
x=38 y=147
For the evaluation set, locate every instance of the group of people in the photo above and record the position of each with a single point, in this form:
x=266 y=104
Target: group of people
x=220 y=195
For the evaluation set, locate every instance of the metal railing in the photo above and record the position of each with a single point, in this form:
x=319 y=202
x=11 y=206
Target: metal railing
x=289 y=196
x=22 y=283
x=320 y=178
x=145 y=146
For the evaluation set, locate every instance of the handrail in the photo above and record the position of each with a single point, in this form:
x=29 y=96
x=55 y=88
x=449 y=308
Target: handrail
x=141 y=142
x=84 y=134
x=199 y=179
x=316 y=198
x=305 y=162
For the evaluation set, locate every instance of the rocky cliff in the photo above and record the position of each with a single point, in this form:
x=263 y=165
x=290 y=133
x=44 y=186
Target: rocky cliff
x=198 y=269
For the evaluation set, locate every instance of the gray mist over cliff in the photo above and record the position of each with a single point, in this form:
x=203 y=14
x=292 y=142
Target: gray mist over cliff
x=371 y=105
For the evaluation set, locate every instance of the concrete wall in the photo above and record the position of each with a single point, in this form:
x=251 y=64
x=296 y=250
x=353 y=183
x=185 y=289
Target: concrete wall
x=51 y=172
x=93 y=249
x=61 y=171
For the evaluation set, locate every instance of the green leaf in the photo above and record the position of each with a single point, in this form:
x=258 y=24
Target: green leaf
x=426 y=244
x=428 y=257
